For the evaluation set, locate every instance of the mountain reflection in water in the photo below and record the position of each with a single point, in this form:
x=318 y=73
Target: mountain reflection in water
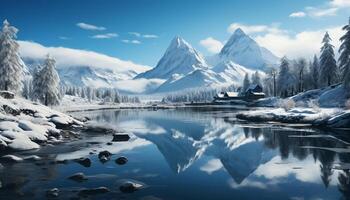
x=205 y=154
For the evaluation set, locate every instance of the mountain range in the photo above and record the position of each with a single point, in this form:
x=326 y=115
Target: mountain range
x=181 y=67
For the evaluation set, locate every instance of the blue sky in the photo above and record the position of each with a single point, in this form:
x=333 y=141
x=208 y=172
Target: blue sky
x=54 y=23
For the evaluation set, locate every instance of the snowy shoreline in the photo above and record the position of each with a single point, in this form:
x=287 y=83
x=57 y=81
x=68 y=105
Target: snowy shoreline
x=25 y=125
x=321 y=117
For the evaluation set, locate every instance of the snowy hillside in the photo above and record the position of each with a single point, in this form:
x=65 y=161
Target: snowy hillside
x=232 y=72
x=197 y=79
x=180 y=58
x=243 y=50
x=88 y=76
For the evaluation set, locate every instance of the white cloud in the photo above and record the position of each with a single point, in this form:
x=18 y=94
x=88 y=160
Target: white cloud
x=90 y=27
x=321 y=12
x=328 y=9
x=340 y=3
x=211 y=166
x=63 y=38
x=297 y=14
x=301 y=44
x=105 y=36
x=132 y=41
x=147 y=36
x=246 y=28
x=211 y=44
x=135 y=34
x=150 y=36
x=253 y=29
x=66 y=57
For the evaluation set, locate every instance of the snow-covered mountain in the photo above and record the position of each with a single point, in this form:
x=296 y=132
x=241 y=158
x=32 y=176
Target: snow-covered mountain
x=199 y=78
x=231 y=72
x=86 y=68
x=243 y=50
x=181 y=67
x=180 y=58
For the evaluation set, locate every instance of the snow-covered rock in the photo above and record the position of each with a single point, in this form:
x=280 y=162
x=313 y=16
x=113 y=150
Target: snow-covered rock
x=30 y=125
x=325 y=117
x=11 y=158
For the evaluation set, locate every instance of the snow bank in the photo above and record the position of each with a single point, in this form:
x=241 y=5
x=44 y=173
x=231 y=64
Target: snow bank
x=24 y=124
x=328 y=117
x=333 y=96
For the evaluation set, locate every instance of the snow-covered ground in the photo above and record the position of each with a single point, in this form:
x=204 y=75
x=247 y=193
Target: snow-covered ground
x=328 y=107
x=73 y=103
x=25 y=125
x=324 y=117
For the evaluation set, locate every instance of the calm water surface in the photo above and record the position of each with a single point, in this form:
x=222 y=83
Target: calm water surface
x=191 y=154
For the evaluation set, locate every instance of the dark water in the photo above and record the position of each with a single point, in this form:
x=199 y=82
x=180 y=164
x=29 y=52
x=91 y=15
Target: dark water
x=191 y=154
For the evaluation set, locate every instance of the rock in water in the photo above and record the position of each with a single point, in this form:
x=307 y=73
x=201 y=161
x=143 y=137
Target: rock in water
x=11 y=158
x=7 y=94
x=121 y=160
x=130 y=186
x=86 y=162
x=79 y=177
x=93 y=191
x=33 y=158
x=104 y=156
x=120 y=137
x=54 y=192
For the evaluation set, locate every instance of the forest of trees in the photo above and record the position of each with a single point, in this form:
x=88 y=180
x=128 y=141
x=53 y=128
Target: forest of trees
x=44 y=83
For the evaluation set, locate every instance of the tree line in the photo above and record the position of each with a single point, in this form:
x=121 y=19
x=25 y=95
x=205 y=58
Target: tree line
x=295 y=76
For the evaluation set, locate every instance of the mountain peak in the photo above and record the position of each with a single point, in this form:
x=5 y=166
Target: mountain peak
x=239 y=32
x=178 y=42
x=179 y=58
x=245 y=51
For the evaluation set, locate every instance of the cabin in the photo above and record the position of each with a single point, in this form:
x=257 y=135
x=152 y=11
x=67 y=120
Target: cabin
x=254 y=92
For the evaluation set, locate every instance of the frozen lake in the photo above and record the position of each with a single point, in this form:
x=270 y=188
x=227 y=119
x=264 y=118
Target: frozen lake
x=190 y=154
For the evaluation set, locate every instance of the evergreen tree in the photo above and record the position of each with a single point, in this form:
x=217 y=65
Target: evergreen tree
x=47 y=83
x=256 y=78
x=315 y=72
x=285 y=79
x=328 y=65
x=11 y=65
x=36 y=84
x=246 y=82
x=301 y=65
x=344 y=59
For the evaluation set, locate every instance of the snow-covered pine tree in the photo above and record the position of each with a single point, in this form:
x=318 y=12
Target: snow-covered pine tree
x=344 y=59
x=328 y=64
x=285 y=79
x=301 y=65
x=36 y=84
x=315 y=72
x=11 y=65
x=246 y=82
x=256 y=79
x=27 y=89
x=47 y=83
